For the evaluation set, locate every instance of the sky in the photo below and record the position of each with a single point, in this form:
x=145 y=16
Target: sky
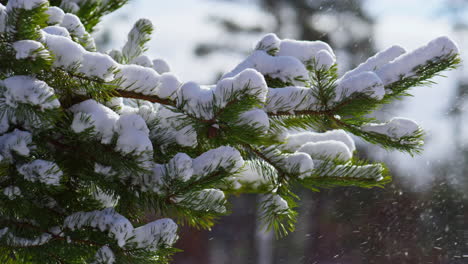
x=409 y=23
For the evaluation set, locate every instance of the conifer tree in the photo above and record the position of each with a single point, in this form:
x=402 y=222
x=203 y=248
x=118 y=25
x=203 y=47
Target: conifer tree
x=90 y=142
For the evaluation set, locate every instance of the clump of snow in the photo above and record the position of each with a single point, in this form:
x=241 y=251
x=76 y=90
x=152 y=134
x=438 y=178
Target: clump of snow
x=73 y=24
x=286 y=68
x=290 y=99
x=29 y=49
x=298 y=163
x=251 y=175
x=104 y=256
x=55 y=15
x=296 y=140
x=98 y=65
x=18 y=142
x=142 y=60
x=327 y=149
x=161 y=66
x=12 y=192
x=367 y=83
x=43 y=171
x=180 y=167
x=397 y=127
x=25 y=4
x=275 y=203
x=224 y=157
x=133 y=135
x=171 y=129
x=150 y=236
x=28 y=90
x=16 y=241
x=57 y=30
x=68 y=54
x=92 y=114
x=377 y=61
x=405 y=65
x=307 y=51
x=196 y=99
x=3 y=17
x=256 y=118
x=270 y=42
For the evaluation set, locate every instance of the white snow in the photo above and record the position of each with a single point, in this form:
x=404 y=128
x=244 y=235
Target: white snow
x=377 y=61
x=73 y=24
x=180 y=167
x=296 y=140
x=28 y=90
x=43 y=171
x=68 y=54
x=405 y=65
x=104 y=256
x=142 y=60
x=149 y=236
x=305 y=51
x=276 y=203
x=327 y=149
x=286 y=68
x=397 y=127
x=12 y=192
x=367 y=83
x=18 y=142
x=133 y=135
x=161 y=66
x=25 y=4
x=3 y=17
x=256 y=118
x=290 y=98
x=29 y=49
x=269 y=42
x=98 y=65
x=55 y=15
x=132 y=48
x=92 y=114
x=57 y=30
x=298 y=163
x=170 y=128
x=224 y=157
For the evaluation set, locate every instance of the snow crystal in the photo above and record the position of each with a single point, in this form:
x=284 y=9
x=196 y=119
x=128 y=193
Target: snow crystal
x=269 y=42
x=161 y=66
x=133 y=135
x=377 y=61
x=298 y=163
x=149 y=236
x=405 y=65
x=12 y=192
x=367 y=83
x=28 y=90
x=303 y=50
x=25 y=4
x=57 y=31
x=327 y=149
x=92 y=114
x=55 y=15
x=286 y=68
x=296 y=140
x=17 y=141
x=225 y=157
x=29 y=49
x=104 y=256
x=42 y=171
x=397 y=127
